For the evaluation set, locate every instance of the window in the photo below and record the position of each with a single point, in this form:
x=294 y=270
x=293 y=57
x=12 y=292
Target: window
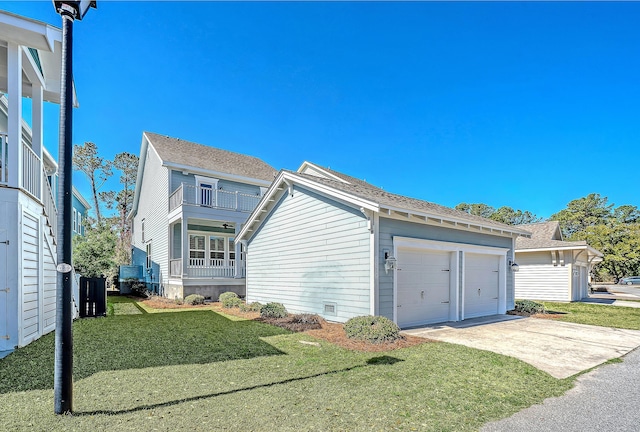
x=149 y=260
x=205 y=194
x=80 y=227
x=196 y=249
x=142 y=230
x=75 y=220
x=216 y=248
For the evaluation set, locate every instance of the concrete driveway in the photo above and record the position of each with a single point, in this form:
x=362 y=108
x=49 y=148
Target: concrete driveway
x=561 y=349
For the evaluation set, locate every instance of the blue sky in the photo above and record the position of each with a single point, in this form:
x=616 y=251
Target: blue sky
x=529 y=105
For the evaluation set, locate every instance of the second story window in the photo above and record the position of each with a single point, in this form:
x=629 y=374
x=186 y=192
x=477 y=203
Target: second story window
x=142 y=229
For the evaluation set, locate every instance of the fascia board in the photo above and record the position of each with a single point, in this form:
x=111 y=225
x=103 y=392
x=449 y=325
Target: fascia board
x=141 y=163
x=322 y=170
x=546 y=249
x=282 y=179
x=456 y=221
x=215 y=174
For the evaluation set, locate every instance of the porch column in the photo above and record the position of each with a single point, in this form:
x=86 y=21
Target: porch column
x=236 y=247
x=37 y=101
x=185 y=246
x=14 y=117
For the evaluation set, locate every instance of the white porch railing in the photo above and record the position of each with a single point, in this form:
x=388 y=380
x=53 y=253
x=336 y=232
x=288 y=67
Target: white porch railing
x=214 y=198
x=31 y=171
x=204 y=268
x=49 y=203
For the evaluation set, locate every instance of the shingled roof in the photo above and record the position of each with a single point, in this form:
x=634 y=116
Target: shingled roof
x=545 y=235
x=190 y=154
x=383 y=198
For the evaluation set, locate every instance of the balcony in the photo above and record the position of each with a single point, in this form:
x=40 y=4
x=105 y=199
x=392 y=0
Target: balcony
x=213 y=198
x=203 y=268
x=31 y=178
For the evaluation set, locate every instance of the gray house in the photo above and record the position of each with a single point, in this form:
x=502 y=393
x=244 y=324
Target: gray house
x=323 y=242
x=552 y=268
x=190 y=202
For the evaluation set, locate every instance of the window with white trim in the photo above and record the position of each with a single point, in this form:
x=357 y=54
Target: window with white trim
x=142 y=229
x=75 y=220
x=232 y=249
x=197 y=249
x=216 y=249
x=80 y=227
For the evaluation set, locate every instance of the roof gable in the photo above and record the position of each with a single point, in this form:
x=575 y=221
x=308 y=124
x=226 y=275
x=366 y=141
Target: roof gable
x=366 y=196
x=183 y=153
x=548 y=236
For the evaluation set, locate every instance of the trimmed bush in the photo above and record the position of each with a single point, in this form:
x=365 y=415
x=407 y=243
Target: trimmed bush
x=273 y=310
x=230 y=300
x=251 y=307
x=194 y=299
x=373 y=329
x=529 y=307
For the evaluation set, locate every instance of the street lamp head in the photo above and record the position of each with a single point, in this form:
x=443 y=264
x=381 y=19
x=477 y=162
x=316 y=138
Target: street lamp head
x=77 y=8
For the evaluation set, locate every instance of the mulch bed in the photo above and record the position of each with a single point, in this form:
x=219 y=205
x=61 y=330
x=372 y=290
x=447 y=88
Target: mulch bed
x=331 y=332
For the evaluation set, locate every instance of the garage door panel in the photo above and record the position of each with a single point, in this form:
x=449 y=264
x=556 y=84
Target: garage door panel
x=422 y=287
x=482 y=282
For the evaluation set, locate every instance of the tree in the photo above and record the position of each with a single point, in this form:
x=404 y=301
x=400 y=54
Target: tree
x=582 y=213
x=479 y=209
x=509 y=216
x=93 y=253
x=122 y=202
x=97 y=170
x=504 y=214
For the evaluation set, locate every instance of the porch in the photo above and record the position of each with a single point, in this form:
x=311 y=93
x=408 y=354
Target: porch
x=204 y=250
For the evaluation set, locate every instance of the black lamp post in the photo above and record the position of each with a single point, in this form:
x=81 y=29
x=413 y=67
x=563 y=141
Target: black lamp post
x=63 y=374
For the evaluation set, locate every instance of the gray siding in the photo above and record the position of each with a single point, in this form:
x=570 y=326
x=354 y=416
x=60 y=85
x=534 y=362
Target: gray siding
x=153 y=208
x=177 y=178
x=309 y=251
x=392 y=227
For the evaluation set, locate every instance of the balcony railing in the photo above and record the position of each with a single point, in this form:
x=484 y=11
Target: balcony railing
x=204 y=268
x=31 y=172
x=33 y=179
x=214 y=198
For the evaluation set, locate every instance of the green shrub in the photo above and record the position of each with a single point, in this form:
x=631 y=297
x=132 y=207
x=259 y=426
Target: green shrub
x=251 y=307
x=194 y=299
x=529 y=307
x=273 y=310
x=229 y=300
x=373 y=329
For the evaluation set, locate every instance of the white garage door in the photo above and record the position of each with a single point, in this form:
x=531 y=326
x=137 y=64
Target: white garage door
x=481 y=276
x=422 y=287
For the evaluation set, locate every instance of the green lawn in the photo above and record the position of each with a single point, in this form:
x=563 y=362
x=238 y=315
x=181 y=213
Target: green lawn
x=597 y=314
x=198 y=370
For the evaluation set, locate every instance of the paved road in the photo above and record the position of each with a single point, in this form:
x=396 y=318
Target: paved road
x=605 y=399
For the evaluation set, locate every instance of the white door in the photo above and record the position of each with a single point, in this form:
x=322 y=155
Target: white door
x=481 y=283
x=422 y=287
x=4 y=295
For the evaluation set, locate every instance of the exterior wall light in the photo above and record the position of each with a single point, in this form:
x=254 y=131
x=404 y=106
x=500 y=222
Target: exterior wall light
x=390 y=263
x=514 y=266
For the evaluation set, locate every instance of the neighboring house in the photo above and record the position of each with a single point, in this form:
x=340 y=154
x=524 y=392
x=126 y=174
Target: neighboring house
x=80 y=211
x=190 y=202
x=30 y=68
x=551 y=268
x=325 y=243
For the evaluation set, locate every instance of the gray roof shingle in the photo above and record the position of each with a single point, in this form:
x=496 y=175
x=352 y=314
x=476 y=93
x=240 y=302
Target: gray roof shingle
x=195 y=155
x=367 y=191
x=544 y=235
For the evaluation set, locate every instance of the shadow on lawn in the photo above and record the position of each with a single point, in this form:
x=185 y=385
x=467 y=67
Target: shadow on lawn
x=139 y=341
x=382 y=360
